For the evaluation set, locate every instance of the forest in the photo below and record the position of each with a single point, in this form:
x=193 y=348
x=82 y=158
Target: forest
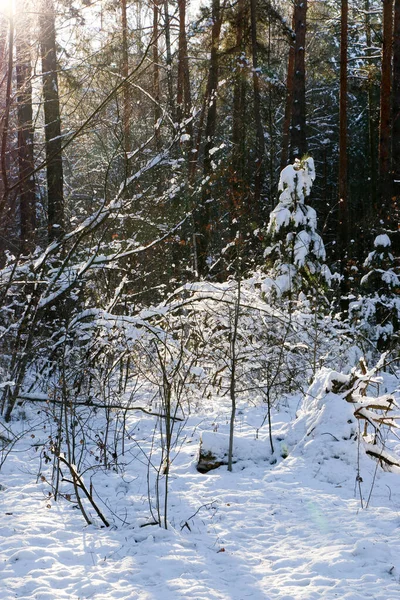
x=200 y=299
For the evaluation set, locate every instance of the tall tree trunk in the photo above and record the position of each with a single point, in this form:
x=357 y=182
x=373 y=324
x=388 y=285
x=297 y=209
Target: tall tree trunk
x=183 y=96
x=3 y=95
x=168 y=52
x=288 y=105
x=343 y=183
x=202 y=214
x=260 y=143
x=27 y=202
x=156 y=75
x=343 y=203
x=126 y=116
x=396 y=122
x=5 y=117
x=385 y=113
x=156 y=86
x=298 y=139
x=238 y=192
x=52 y=121
x=372 y=124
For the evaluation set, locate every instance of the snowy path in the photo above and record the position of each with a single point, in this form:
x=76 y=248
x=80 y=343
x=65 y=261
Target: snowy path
x=291 y=531
x=266 y=533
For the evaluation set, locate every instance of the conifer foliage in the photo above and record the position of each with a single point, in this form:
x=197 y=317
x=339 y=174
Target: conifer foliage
x=296 y=251
x=377 y=310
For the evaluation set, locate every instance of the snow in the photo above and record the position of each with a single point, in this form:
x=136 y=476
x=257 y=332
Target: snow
x=282 y=282
x=293 y=530
x=243 y=447
x=297 y=180
x=382 y=240
x=299 y=246
x=390 y=278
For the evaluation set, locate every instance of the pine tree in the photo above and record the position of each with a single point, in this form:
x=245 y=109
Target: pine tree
x=296 y=250
x=377 y=311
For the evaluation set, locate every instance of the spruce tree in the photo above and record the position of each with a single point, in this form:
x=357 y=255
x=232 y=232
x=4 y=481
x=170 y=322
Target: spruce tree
x=296 y=253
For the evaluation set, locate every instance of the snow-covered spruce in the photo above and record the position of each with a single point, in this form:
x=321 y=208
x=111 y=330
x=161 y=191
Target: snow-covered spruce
x=377 y=311
x=296 y=251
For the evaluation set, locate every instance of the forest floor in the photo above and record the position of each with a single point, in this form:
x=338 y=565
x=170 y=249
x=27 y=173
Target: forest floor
x=293 y=530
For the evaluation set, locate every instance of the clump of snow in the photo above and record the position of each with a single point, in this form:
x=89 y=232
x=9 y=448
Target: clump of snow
x=382 y=240
x=325 y=429
x=244 y=448
x=337 y=425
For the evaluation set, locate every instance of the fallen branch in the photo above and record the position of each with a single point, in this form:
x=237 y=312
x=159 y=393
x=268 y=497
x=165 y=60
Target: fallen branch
x=89 y=404
x=78 y=481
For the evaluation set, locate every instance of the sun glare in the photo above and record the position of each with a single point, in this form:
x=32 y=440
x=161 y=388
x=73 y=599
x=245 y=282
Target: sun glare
x=7 y=7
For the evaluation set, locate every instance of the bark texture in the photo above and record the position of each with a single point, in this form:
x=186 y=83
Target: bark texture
x=202 y=219
x=396 y=116
x=27 y=197
x=385 y=113
x=343 y=201
x=52 y=119
x=298 y=144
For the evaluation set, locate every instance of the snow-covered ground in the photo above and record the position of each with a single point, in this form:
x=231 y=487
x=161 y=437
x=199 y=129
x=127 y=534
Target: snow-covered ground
x=293 y=530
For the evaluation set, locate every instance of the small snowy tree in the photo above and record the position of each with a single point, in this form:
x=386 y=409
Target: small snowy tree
x=296 y=251
x=377 y=310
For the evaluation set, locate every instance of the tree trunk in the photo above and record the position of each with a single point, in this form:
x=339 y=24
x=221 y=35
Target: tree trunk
x=385 y=113
x=343 y=204
x=237 y=192
x=298 y=140
x=156 y=75
x=202 y=214
x=288 y=106
x=168 y=52
x=27 y=196
x=396 y=122
x=183 y=99
x=260 y=143
x=183 y=96
x=52 y=121
x=5 y=120
x=126 y=116
x=3 y=96
x=372 y=124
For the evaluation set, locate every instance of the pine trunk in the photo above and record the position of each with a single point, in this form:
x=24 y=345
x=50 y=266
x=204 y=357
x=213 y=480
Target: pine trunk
x=126 y=117
x=3 y=100
x=156 y=76
x=343 y=203
x=396 y=120
x=52 y=121
x=27 y=196
x=260 y=143
x=372 y=124
x=5 y=119
x=288 y=107
x=385 y=113
x=183 y=96
x=202 y=218
x=237 y=192
x=298 y=139
x=168 y=53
